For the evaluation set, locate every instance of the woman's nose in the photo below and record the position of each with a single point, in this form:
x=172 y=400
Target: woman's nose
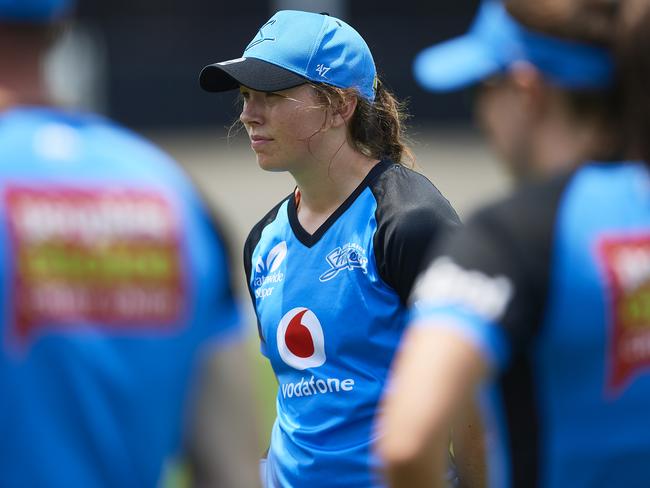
x=251 y=113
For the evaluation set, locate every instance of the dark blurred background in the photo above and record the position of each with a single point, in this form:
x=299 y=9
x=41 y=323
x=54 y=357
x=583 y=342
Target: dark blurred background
x=148 y=53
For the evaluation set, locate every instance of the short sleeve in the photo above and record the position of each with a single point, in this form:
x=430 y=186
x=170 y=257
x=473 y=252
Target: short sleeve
x=473 y=286
x=490 y=279
x=411 y=214
x=413 y=233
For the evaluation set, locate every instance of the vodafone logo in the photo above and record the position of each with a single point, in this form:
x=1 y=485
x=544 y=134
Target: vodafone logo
x=301 y=343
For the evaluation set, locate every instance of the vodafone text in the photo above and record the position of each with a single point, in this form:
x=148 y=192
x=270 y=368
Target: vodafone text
x=312 y=386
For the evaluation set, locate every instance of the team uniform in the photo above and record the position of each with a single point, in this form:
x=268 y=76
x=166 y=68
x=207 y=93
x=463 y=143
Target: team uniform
x=331 y=310
x=552 y=286
x=112 y=276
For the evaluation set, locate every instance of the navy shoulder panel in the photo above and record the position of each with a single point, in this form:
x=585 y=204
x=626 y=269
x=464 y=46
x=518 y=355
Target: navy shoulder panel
x=254 y=238
x=411 y=212
x=251 y=242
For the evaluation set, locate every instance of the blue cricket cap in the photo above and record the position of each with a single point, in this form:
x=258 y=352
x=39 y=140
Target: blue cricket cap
x=496 y=41
x=294 y=47
x=34 y=11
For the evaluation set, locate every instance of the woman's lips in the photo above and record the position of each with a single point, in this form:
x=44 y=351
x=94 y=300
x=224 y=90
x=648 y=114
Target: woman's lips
x=259 y=141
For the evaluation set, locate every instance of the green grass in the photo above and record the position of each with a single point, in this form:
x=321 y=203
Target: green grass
x=265 y=388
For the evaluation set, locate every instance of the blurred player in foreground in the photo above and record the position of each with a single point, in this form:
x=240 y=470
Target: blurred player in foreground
x=540 y=305
x=329 y=267
x=115 y=288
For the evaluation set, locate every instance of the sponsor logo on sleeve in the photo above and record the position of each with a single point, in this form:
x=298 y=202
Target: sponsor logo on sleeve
x=626 y=264
x=445 y=283
x=347 y=257
x=267 y=273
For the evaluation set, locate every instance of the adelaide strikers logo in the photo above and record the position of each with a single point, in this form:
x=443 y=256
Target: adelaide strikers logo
x=301 y=343
x=350 y=256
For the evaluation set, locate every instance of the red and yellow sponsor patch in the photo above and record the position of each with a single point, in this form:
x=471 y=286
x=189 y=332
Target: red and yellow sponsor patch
x=110 y=258
x=626 y=262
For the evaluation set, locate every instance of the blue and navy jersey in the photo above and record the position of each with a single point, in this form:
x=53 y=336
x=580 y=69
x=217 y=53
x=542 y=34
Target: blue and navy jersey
x=553 y=285
x=113 y=276
x=331 y=310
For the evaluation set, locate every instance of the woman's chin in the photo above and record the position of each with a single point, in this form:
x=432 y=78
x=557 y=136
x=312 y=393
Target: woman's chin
x=269 y=164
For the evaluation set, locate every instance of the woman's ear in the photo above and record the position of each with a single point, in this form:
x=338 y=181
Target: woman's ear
x=342 y=113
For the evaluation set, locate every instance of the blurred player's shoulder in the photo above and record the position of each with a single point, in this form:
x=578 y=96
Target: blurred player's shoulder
x=527 y=207
x=519 y=229
x=96 y=132
x=536 y=202
x=75 y=145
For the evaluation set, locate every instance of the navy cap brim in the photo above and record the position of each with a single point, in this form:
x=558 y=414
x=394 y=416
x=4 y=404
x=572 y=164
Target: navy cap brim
x=455 y=64
x=251 y=72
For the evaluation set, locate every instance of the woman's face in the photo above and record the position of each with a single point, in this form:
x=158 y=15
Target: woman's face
x=286 y=128
x=501 y=112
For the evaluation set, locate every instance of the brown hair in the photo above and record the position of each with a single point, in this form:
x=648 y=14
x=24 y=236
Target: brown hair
x=376 y=129
x=604 y=107
x=632 y=47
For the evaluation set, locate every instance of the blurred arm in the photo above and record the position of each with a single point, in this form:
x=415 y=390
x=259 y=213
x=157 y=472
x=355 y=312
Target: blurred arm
x=468 y=439
x=434 y=377
x=223 y=443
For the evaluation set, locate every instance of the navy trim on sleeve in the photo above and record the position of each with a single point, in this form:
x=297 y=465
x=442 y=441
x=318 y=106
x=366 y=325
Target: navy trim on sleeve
x=249 y=246
x=411 y=213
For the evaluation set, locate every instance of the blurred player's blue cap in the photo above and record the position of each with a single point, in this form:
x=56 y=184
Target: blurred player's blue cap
x=34 y=11
x=294 y=47
x=496 y=41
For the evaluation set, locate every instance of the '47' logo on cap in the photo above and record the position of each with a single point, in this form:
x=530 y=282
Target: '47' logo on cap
x=322 y=70
x=350 y=256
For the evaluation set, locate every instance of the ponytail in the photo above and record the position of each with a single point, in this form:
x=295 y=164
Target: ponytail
x=376 y=129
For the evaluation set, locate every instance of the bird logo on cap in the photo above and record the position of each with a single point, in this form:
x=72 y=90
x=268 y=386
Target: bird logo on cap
x=261 y=37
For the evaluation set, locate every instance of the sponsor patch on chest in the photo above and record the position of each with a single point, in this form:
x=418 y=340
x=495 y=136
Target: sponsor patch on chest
x=267 y=273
